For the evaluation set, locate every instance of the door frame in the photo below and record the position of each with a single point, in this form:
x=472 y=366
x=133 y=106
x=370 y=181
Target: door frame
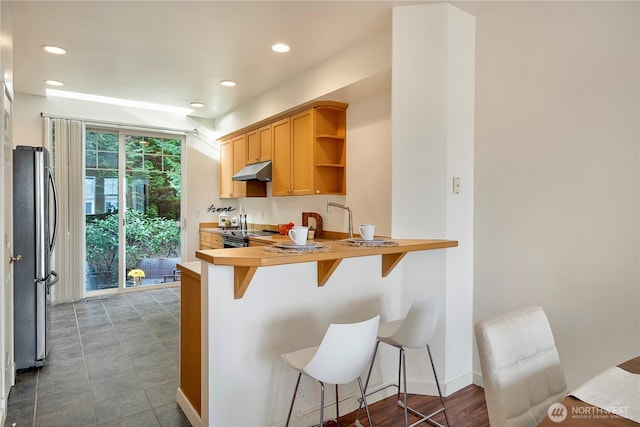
x=122 y=132
x=7 y=370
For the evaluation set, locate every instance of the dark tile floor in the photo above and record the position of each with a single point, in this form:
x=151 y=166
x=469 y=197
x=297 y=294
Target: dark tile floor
x=113 y=361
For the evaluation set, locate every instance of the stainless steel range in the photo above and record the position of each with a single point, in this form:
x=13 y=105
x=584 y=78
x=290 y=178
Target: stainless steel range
x=240 y=238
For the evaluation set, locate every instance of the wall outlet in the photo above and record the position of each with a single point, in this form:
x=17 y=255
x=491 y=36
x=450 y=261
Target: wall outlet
x=300 y=392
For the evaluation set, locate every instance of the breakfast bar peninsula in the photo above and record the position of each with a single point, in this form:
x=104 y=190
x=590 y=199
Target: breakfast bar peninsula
x=259 y=302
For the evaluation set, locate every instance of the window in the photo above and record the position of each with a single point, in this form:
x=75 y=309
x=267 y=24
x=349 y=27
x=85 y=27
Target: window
x=90 y=195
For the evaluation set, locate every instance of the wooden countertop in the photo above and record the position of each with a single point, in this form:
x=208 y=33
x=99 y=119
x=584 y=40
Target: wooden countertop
x=247 y=260
x=190 y=268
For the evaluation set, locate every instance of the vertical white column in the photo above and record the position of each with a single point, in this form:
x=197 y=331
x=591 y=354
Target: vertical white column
x=432 y=142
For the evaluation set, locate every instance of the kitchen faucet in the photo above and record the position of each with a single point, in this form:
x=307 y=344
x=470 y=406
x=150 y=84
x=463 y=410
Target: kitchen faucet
x=337 y=205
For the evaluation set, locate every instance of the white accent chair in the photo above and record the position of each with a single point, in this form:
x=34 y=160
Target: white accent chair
x=520 y=366
x=342 y=356
x=415 y=330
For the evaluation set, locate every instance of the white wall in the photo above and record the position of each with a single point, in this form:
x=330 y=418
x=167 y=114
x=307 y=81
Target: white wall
x=200 y=190
x=355 y=64
x=6 y=46
x=432 y=110
x=557 y=176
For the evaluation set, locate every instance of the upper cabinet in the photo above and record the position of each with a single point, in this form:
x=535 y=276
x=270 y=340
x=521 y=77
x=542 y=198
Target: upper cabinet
x=239 y=155
x=253 y=148
x=232 y=160
x=281 y=158
x=315 y=162
x=226 y=169
x=307 y=147
x=330 y=150
x=293 y=158
x=259 y=145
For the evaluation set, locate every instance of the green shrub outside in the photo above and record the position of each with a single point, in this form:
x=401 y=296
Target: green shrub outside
x=146 y=237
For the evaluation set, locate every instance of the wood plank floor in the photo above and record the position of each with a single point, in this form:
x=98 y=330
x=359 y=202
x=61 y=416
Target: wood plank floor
x=465 y=408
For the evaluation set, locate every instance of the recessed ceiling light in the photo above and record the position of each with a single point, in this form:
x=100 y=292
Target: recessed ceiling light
x=54 y=82
x=117 y=101
x=227 y=83
x=54 y=49
x=280 y=47
x=197 y=104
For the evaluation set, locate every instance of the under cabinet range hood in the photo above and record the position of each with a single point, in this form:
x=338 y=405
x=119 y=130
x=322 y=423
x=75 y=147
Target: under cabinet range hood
x=255 y=172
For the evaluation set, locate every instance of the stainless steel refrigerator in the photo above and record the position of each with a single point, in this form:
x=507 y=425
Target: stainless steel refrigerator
x=34 y=232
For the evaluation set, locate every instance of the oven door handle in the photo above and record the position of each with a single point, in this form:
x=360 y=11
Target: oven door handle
x=229 y=243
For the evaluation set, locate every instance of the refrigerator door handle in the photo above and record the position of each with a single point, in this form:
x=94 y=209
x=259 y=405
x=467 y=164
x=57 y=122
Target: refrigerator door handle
x=56 y=211
x=50 y=282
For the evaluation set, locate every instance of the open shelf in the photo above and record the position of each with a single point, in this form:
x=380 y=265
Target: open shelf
x=330 y=157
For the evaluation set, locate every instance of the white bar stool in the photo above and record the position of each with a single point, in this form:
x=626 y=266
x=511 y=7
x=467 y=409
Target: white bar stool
x=342 y=356
x=414 y=331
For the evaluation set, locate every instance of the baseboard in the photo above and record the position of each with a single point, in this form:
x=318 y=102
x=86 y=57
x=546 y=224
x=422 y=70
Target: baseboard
x=11 y=372
x=188 y=409
x=429 y=388
x=477 y=379
x=458 y=384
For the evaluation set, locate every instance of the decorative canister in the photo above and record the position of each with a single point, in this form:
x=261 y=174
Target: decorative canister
x=222 y=219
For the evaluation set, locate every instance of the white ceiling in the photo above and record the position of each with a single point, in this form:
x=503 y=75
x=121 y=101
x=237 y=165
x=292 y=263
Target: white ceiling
x=176 y=52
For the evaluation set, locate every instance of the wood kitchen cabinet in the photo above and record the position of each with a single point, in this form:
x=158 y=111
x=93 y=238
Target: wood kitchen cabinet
x=330 y=150
x=307 y=147
x=283 y=159
x=190 y=329
x=313 y=160
x=210 y=241
x=239 y=161
x=232 y=160
x=226 y=169
x=259 y=144
x=253 y=148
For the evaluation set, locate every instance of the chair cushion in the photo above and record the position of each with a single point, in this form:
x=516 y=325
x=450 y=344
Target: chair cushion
x=520 y=367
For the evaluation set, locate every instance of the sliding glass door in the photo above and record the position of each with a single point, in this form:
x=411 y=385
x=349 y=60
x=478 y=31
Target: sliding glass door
x=132 y=190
